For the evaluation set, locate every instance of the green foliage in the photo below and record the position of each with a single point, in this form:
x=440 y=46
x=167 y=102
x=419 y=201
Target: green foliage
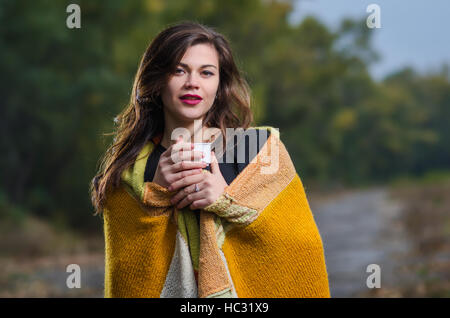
x=14 y=214
x=62 y=87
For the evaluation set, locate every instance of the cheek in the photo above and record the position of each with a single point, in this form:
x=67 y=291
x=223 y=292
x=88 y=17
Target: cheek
x=212 y=90
x=174 y=83
x=170 y=92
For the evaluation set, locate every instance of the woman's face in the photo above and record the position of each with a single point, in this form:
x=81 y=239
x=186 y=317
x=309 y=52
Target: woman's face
x=196 y=74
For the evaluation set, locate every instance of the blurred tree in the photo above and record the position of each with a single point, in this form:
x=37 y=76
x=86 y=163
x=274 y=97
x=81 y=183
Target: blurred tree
x=62 y=87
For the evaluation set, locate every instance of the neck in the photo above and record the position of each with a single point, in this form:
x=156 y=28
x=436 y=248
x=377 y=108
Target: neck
x=195 y=129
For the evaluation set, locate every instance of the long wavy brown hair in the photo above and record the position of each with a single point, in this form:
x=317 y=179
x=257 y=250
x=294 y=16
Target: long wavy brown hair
x=143 y=117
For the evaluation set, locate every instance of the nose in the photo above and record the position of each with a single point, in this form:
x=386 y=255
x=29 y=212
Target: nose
x=191 y=81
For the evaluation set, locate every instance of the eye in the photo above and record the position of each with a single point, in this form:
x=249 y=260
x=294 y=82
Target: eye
x=208 y=73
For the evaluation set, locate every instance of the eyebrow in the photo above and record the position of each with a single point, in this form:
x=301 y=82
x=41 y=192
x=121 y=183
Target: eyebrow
x=203 y=66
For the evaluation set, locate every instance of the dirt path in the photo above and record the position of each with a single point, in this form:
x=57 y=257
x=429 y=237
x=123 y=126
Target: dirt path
x=360 y=228
x=47 y=276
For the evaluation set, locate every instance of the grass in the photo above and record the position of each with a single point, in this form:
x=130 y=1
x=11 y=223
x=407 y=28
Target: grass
x=34 y=255
x=426 y=218
x=432 y=177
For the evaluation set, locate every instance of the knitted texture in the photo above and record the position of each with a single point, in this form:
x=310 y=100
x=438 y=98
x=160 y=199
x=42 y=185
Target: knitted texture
x=258 y=239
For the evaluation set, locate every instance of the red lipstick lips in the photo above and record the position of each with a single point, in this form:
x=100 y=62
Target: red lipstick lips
x=191 y=99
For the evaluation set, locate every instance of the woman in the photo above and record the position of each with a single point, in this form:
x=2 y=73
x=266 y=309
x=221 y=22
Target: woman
x=178 y=227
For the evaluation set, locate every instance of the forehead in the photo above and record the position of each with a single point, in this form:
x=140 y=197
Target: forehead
x=200 y=55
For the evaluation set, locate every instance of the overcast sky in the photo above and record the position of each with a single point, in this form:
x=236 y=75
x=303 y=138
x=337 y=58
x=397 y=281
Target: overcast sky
x=413 y=32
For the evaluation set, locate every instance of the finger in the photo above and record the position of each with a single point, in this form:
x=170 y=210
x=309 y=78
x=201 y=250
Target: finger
x=166 y=165
x=186 y=181
x=180 y=145
x=183 y=203
x=190 y=198
x=214 y=164
x=184 y=154
x=199 y=204
x=179 y=196
x=183 y=192
x=193 y=155
x=184 y=173
x=186 y=166
x=187 y=155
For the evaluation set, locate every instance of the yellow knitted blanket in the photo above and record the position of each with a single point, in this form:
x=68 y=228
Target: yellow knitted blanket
x=259 y=239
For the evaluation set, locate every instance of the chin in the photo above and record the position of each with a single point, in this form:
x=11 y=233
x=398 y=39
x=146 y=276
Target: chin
x=191 y=115
x=187 y=111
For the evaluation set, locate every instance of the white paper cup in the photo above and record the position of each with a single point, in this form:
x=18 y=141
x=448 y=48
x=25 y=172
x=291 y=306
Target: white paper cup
x=204 y=147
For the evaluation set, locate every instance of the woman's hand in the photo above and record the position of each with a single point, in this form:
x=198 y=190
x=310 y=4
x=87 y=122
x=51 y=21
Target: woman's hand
x=175 y=163
x=210 y=185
